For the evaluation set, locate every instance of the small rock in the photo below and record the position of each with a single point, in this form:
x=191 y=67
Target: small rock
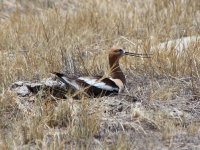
x=18 y=84
x=52 y=83
x=23 y=91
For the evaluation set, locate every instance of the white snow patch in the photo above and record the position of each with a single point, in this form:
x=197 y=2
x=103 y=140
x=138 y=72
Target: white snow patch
x=179 y=44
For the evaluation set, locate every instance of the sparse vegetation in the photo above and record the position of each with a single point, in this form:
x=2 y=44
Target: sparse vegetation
x=42 y=36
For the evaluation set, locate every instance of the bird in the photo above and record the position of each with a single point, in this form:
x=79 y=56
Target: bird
x=99 y=85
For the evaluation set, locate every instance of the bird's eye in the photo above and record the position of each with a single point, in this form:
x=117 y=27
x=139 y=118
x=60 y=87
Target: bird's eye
x=120 y=50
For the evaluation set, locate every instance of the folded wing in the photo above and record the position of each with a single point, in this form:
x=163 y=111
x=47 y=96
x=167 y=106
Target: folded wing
x=94 y=85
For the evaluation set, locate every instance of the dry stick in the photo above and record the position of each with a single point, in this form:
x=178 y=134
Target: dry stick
x=64 y=61
x=198 y=24
x=121 y=125
x=82 y=61
x=188 y=83
x=139 y=126
x=128 y=40
x=171 y=142
x=153 y=123
x=47 y=39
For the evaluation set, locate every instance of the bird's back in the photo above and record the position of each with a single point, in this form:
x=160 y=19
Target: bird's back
x=92 y=85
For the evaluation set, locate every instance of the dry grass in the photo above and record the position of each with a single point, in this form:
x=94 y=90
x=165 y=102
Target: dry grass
x=38 y=37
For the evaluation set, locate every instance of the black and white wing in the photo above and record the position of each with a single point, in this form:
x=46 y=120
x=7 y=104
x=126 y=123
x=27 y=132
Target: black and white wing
x=93 y=84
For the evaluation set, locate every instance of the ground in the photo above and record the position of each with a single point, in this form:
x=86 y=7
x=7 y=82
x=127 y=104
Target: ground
x=160 y=108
